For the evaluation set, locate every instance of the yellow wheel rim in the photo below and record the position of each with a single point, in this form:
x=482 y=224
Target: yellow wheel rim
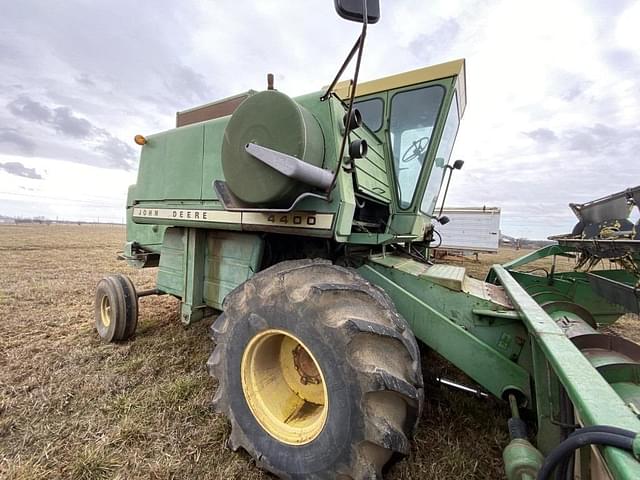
x=105 y=311
x=284 y=387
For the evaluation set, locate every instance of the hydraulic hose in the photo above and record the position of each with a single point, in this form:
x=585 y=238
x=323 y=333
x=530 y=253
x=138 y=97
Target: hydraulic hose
x=563 y=470
x=605 y=429
x=578 y=439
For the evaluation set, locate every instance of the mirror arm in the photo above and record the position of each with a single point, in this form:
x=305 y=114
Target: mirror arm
x=341 y=71
x=446 y=190
x=360 y=44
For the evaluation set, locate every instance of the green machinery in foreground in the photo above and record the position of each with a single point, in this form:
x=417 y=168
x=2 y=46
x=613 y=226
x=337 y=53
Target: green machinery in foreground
x=307 y=221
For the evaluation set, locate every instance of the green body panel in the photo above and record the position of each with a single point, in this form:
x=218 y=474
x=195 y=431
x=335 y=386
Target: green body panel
x=211 y=165
x=171 y=165
x=443 y=318
x=171 y=269
x=149 y=235
x=371 y=238
x=193 y=304
x=231 y=259
x=372 y=172
x=409 y=226
x=202 y=266
x=169 y=181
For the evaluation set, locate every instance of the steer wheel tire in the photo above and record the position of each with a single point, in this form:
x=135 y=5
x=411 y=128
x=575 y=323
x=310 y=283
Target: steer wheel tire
x=116 y=308
x=317 y=372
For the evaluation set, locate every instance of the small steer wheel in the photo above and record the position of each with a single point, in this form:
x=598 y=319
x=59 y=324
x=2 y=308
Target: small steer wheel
x=318 y=374
x=416 y=150
x=116 y=308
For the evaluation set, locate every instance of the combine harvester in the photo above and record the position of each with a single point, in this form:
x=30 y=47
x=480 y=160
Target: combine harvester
x=309 y=229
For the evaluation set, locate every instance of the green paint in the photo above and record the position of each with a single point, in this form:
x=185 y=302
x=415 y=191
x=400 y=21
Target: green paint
x=231 y=259
x=171 y=270
x=594 y=400
x=505 y=341
x=505 y=345
x=211 y=165
x=274 y=120
x=193 y=306
x=521 y=460
x=443 y=319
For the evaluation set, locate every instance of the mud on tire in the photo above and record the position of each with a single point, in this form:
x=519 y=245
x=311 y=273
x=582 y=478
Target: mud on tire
x=366 y=352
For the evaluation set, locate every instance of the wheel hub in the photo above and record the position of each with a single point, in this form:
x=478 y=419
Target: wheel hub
x=284 y=387
x=105 y=311
x=305 y=366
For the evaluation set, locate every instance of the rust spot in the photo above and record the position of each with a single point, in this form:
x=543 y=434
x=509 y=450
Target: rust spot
x=305 y=366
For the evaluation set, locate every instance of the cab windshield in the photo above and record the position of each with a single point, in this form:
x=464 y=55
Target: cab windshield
x=412 y=120
x=441 y=161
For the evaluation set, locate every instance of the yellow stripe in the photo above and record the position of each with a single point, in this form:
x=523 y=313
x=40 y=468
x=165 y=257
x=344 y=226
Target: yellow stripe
x=317 y=221
x=413 y=77
x=193 y=215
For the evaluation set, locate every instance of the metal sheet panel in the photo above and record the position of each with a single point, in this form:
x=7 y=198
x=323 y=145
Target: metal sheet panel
x=220 y=108
x=172 y=263
x=171 y=165
x=372 y=177
x=471 y=229
x=231 y=259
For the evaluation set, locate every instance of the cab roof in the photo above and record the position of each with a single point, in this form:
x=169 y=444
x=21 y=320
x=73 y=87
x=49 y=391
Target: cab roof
x=455 y=68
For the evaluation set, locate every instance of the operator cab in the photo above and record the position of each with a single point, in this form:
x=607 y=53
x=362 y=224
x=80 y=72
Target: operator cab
x=416 y=116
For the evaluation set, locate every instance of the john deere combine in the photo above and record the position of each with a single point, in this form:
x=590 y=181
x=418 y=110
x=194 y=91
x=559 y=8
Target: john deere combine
x=307 y=221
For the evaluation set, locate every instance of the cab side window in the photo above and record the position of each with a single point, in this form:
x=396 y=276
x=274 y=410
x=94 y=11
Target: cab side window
x=372 y=111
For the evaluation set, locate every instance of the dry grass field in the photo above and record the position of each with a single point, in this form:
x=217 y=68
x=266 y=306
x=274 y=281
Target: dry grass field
x=74 y=408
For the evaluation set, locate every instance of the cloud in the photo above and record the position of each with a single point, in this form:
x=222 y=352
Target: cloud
x=31 y=110
x=552 y=99
x=119 y=153
x=65 y=122
x=11 y=138
x=18 y=169
x=62 y=119
x=85 y=80
x=188 y=85
x=543 y=135
x=114 y=152
x=440 y=38
x=593 y=142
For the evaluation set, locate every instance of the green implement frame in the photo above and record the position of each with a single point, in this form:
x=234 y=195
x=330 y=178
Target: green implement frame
x=499 y=334
x=596 y=403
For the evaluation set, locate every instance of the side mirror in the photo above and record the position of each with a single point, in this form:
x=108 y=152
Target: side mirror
x=352 y=10
x=443 y=220
x=457 y=165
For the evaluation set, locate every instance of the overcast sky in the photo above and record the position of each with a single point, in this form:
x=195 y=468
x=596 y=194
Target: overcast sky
x=553 y=90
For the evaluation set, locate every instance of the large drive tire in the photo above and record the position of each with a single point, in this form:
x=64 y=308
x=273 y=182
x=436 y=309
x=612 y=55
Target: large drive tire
x=318 y=374
x=116 y=308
